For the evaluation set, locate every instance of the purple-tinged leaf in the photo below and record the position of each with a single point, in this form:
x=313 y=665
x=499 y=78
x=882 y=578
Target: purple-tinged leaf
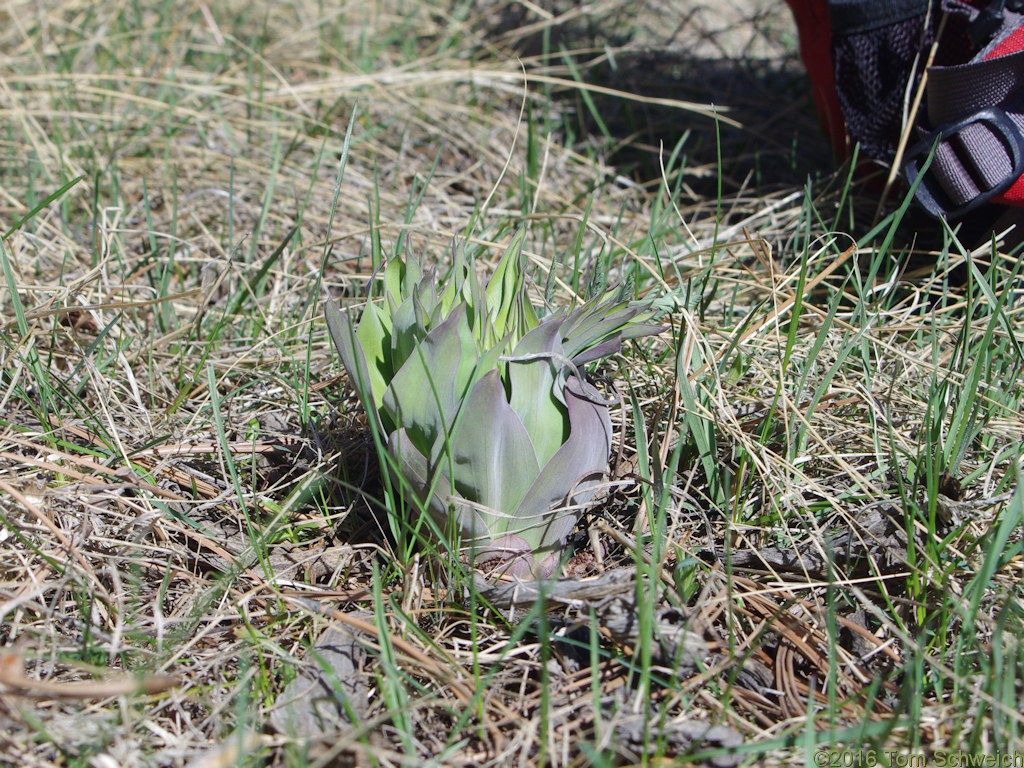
x=536 y=376
x=509 y=556
x=489 y=458
x=597 y=328
x=568 y=478
x=454 y=518
x=598 y=351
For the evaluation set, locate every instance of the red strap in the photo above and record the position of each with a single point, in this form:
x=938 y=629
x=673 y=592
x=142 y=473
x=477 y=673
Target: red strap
x=1013 y=43
x=816 y=52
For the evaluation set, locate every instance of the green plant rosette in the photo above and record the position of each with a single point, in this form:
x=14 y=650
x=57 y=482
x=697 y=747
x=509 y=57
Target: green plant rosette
x=481 y=404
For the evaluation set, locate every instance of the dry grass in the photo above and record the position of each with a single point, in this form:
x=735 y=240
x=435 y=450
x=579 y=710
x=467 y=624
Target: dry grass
x=818 y=461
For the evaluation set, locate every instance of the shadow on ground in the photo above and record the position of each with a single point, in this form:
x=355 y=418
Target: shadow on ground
x=685 y=52
x=777 y=143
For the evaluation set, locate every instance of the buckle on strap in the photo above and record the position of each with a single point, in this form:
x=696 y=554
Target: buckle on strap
x=929 y=191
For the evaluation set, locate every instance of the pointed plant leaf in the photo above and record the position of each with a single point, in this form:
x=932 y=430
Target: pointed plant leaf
x=413 y=276
x=373 y=333
x=474 y=293
x=601 y=350
x=613 y=343
x=489 y=459
x=427 y=304
x=536 y=375
x=394 y=276
x=490 y=359
x=425 y=393
x=572 y=470
x=637 y=330
x=432 y=315
x=470 y=368
x=505 y=284
x=593 y=323
x=508 y=304
x=454 y=519
x=368 y=381
x=597 y=328
x=457 y=276
x=406 y=331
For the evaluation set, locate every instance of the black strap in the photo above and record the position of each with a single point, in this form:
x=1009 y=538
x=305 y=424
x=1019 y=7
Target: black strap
x=978 y=109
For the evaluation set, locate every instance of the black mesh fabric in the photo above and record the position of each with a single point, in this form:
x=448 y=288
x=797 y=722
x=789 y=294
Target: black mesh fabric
x=872 y=70
x=874 y=45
